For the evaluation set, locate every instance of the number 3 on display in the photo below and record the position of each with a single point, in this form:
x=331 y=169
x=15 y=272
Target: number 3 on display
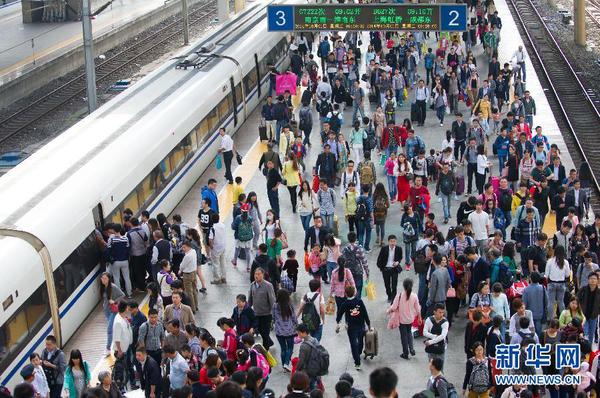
x=280 y=21
x=280 y=18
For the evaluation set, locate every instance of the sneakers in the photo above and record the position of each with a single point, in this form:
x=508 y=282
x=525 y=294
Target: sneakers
x=413 y=353
x=286 y=368
x=357 y=366
x=203 y=290
x=404 y=356
x=216 y=282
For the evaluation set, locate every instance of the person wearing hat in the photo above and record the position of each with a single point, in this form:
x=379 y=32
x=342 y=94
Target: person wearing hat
x=108 y=385
x=28 y=375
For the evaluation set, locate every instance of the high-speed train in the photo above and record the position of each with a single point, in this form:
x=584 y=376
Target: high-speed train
x=143 y=149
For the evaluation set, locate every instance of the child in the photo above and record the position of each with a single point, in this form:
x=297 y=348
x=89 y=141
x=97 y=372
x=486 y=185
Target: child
x=291 y=267
x=496 y=116
x=237 y=190
x=300 y=151
x=243 y=316
x=229 y=343
x=572 y=217
x=190 y=358
x=430 y=223
x=40 y=383
x=315 y=261
x=431 y=160
x=468 y=227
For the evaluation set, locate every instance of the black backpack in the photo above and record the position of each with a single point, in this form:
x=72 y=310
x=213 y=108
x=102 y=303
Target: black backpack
x=334 y=122
x=310 y=315
x=51 y=374
x=505 y=201
x=505 y=277
x=362 y=213
x=324 y=107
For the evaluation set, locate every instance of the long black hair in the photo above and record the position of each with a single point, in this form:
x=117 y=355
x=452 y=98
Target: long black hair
x=408 y=285
x=283 y=301
x=75 y=354
x=559 y=254
x=341 y=261
x=108 y=288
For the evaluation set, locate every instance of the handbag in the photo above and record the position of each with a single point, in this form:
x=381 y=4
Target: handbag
x=113 y=307
x=451 y=293
x=218 y=162
x=330 y=307
x=238 y=157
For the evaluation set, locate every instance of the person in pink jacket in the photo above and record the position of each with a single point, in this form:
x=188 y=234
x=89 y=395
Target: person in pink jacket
x=402 y=313
x=341 y=277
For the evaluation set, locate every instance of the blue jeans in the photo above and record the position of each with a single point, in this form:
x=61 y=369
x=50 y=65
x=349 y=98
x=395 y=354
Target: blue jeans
x=440 y=113
x=390 y=149
x=330 y=267
x=409 y=250
x=280 y=124
x=364 y=233
x=380 y=230
x=538 y=327
x=287 y=348
x=400 y=97
x=358 y=283
x=328 y=220
x=356 y=337
x=318 y=333
x=274 y=200
x=589 y=329
x=501 y=161
x=446 y=201
x=393 y=186
x=556 y=294
x=357 y=109
x=529 y=120
x=110 y=318
x=306 y=221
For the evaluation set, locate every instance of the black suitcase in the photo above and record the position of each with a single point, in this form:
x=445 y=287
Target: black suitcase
x=414 y=113
x=373 y=98
x=262 y=132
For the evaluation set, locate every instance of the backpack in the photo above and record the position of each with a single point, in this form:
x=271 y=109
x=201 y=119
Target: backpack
x=304 y=116
x=366 y=173
x=334 y=122
x=118 y=373
x=421 y=262
x=505 y=277
x=450 y=391
x=245 y=231
x=352 y=262
x=310 y=315
x=323 y=49
x=318 y=360
x=262 y=363
x=530 y=335
x=389 y=107
x=324 y=107
x=362 y=213
x=408 y=231
x=51 y=373
x=505 y=200
x=446 y=185
x=479 y=381
x=392 y=140
x=379 y=207
x=354 y=179
x=499 y=219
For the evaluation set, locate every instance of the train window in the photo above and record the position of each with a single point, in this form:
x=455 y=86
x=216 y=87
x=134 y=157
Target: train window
x=238 y=94
x=148 y=186
x=165 y=168
x=177 y=155
x=202 y=132
x=115 y=216
x=250 y=81
x=73 y=271
x=23 y=325
x=131 y=202
x=224 y=108
x=213 y=120
x=193 y=139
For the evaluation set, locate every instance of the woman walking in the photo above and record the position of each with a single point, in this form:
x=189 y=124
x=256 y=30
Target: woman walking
x=557 y=273
x=440 y=102
x=330 y=254
x=110 y=294
x=285 y=326
x=340 y=278
x=257 y=220
x=402 y=172
x=478 y=378
x=483 y=166
x=392 y=180
x=402 y=313
x=77 y=375
x=291 y=177
x=411 y=227
x=307 y=205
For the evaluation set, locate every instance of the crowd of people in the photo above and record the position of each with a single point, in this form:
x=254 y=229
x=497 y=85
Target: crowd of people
x=497 y=264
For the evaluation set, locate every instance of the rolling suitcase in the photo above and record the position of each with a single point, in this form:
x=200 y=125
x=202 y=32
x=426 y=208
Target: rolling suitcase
x=414 y=113
x=262 y=132
x=371 y=343
x=460 y=185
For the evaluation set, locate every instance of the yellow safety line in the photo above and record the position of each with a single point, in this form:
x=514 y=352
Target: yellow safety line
x=549 y=227
x=246 y=171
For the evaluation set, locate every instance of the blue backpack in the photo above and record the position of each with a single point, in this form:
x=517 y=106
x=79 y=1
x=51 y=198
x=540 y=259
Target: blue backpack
x=499 y=219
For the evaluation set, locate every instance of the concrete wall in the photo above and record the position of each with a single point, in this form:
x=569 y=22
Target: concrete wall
x=27 y=83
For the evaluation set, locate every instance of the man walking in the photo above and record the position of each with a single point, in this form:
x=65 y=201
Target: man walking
x=388 y=261
x=261 y=298
x=421 y=96
x=227 y=150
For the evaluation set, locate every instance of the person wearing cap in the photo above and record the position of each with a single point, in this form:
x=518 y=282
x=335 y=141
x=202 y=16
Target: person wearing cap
x=187 y=271
x=149 y=372
x=28 y=375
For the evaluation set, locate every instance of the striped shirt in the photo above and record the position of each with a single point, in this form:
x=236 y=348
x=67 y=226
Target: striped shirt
x=118 y=247
x=151 y=336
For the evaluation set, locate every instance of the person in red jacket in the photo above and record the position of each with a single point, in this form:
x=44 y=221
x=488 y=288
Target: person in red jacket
x=419 y=197
x=390 y=138
x=230 y=338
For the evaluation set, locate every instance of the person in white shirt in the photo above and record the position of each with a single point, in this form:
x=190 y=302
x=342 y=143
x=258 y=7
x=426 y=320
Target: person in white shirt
x=520 y=56
x=217 y=240
x=187 y=271
x=314 y=297
x=178 y=367
x=227 y=150
x=435 y=331
x=40 y=383
x=557 y=273
x=348 y=176
x=481 y=227
x=123 y=338
x=421 y=96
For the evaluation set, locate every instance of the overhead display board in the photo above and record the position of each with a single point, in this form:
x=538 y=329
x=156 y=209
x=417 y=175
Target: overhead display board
x=319 y=17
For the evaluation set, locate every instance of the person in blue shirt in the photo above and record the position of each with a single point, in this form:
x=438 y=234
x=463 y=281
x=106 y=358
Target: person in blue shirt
x=209 y=191
x=501 y=148
x=539 y=137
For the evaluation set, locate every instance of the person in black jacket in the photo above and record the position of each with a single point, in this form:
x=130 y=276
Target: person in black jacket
x=476 y=331
x=267 y=264
x=390 y=266
x=316 y=234
x=559 y=205
x=149 y=371
x=355 y=313
x=459 y=133
x=325 y=167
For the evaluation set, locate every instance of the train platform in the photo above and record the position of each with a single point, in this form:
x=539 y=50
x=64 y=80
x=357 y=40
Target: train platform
x=26 y=46
x=220 y=299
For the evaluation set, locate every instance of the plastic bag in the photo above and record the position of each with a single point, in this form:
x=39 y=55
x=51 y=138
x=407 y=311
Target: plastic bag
x=405 y=93
x=218 y=162
x=371 y=293
x=271 y=359
x=330 y=307
x=382 y=159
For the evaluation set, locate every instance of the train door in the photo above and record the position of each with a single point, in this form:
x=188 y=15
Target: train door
x=236 y=101
x=256 y=64
x=98 y=215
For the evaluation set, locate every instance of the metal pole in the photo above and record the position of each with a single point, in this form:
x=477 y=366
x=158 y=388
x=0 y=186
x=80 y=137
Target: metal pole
x=88 y=49
x=186 y=22
x=44 y=254
x=579 y=11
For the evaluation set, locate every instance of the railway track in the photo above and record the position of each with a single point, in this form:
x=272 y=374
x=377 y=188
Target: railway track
x=593 y=11
x=574 y=104
x=26 y=116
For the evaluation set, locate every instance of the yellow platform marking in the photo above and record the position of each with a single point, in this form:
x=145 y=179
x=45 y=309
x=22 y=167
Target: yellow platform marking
x=549 y=227
x=246 y=171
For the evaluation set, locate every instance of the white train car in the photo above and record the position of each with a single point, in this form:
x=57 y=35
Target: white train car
x=142 y=150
